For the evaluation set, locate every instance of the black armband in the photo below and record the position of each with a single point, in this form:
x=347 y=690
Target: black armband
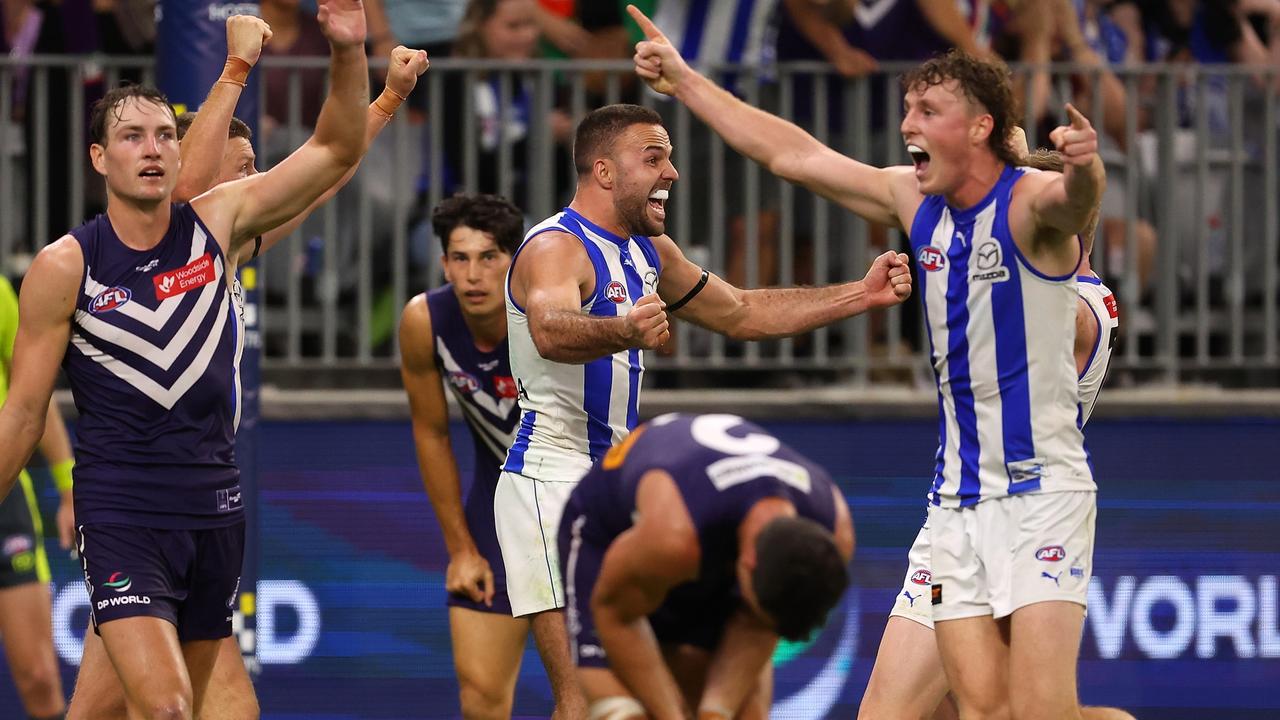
x=702 y=282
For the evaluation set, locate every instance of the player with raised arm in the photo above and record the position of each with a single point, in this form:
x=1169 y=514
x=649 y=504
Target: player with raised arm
x=217 y=148
x=687 y=551
x=588 y=290
x=997 y=252
x=907 y=681
x=455 y=337
x=136 y=305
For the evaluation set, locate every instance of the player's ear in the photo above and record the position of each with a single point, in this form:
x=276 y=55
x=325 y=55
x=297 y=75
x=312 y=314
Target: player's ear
x=97 y=156
x=603 y=171
x=980 y=129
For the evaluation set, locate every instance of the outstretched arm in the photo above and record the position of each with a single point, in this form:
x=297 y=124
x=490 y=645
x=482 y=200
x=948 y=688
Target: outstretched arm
x=206 y=140
x=468 y=572
x=782 y=147
x=246 y=208
x=766 y=313
x=402 y=76
x=1064 y=206
x=45 y=308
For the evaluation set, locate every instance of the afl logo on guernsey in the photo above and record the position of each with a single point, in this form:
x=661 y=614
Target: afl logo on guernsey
x=464 y=382
x=616 y=292
x=931 y=258
x=109 y=300
x=1051 y=553
x=922 y=577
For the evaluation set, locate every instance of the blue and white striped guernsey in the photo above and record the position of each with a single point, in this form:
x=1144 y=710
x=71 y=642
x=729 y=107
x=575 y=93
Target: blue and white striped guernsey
x=570 y=414
x=1001 y=336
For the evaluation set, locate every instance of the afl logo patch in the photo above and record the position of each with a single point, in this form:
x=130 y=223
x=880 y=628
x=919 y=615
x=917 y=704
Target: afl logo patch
x=922 y=577
x=1051 y=553
x=616 y=292
x=931 y=258
x=109 y=300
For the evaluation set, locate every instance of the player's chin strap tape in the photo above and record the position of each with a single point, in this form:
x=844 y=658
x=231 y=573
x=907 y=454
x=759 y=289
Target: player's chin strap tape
x=615 y=708
x=702 y=282
x=257 y=247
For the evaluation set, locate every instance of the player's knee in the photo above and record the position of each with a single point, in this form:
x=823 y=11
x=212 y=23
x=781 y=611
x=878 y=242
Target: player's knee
x=986 y=706
x=37 y=682
x=168 y=706
x=1035 y=706
x=481 y=699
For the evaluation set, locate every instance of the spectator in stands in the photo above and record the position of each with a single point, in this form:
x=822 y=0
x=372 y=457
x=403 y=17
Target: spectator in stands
x=295 y=33
x=499 y=30
x=428 y=24
x=593 y=30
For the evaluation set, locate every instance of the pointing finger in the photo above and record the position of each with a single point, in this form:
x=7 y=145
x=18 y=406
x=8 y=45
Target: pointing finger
x=650 y=30
x=1078 y=121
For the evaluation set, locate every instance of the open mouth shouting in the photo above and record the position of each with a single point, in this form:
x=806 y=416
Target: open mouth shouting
x=658 y=202
x=919 y=157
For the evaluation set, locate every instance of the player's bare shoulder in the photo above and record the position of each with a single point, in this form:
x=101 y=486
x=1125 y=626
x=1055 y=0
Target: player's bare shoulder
x=416 y=343
x=57 y=273
x=905 y=191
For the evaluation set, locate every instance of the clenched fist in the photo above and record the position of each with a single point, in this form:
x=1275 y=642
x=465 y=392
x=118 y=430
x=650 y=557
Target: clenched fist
x=406 y=65
x=888 y=282
x=246 y=35
x=647 y=322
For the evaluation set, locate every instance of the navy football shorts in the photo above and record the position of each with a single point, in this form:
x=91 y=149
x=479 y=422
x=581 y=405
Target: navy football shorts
x=188 y=577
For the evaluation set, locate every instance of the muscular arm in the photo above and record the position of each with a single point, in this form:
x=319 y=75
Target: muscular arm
x=436 y=462
x=789 y=152
x=404 y=67
x=768 y=312
x=745 y=649
x=45 y=308
x=641 y=566
x=246 y=208
x=1087 y=329
x=206 y=140
x=550 y=279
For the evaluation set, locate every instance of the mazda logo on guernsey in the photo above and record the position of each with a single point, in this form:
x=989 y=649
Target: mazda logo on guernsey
x=616 y=292
x=922 y=577
x=119 y=582
x=1051 y=553
x=931 y=258
x=109 y=300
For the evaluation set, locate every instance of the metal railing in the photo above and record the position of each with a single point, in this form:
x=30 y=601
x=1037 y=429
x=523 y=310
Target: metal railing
x=1194 y=166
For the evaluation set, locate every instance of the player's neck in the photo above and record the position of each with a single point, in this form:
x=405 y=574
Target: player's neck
x=1086 y=267
x=488 y=330
x=598 y=208
x=140 y=226
x=981 y=175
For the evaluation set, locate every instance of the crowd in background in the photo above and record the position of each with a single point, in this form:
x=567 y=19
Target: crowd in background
x=1104 y=40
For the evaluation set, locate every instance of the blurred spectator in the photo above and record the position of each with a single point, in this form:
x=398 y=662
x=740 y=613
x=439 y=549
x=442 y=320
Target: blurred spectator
x=294 y=33
x=599 y=30
x=430 y=25
x=498 y=30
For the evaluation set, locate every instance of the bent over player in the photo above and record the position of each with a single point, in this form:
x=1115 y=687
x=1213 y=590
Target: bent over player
x=687 y=551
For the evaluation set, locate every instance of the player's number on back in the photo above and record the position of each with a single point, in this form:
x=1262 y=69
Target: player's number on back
x=712 y=431
x=750 y=456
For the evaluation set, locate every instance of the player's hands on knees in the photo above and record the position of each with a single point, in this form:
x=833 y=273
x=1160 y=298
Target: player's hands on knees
x=1078 y=142
x=342 y=22
x=888 y=282
x=246 y=35
x=657 y=60
x=469 y=574
x=406 y=65
x=647 y=323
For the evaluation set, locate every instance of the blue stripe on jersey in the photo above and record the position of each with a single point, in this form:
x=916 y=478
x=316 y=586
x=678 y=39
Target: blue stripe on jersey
x=1009 y=321
x=235 y=340
x=695 y=23
x=1091 y=280
x=515 y=458
x=958 y=362
x=597 y=375
x=635 y=288
x=741 y=30
x=922 y=226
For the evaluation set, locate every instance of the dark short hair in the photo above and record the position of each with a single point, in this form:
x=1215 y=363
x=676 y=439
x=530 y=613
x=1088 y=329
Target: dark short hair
x=799 y=575
x=112 y=104
x=985 y=82
x=598 y=130
x=237 y=128
x=487 y=213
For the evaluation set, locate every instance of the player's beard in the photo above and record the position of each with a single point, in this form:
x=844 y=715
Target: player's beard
x=633 y=213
